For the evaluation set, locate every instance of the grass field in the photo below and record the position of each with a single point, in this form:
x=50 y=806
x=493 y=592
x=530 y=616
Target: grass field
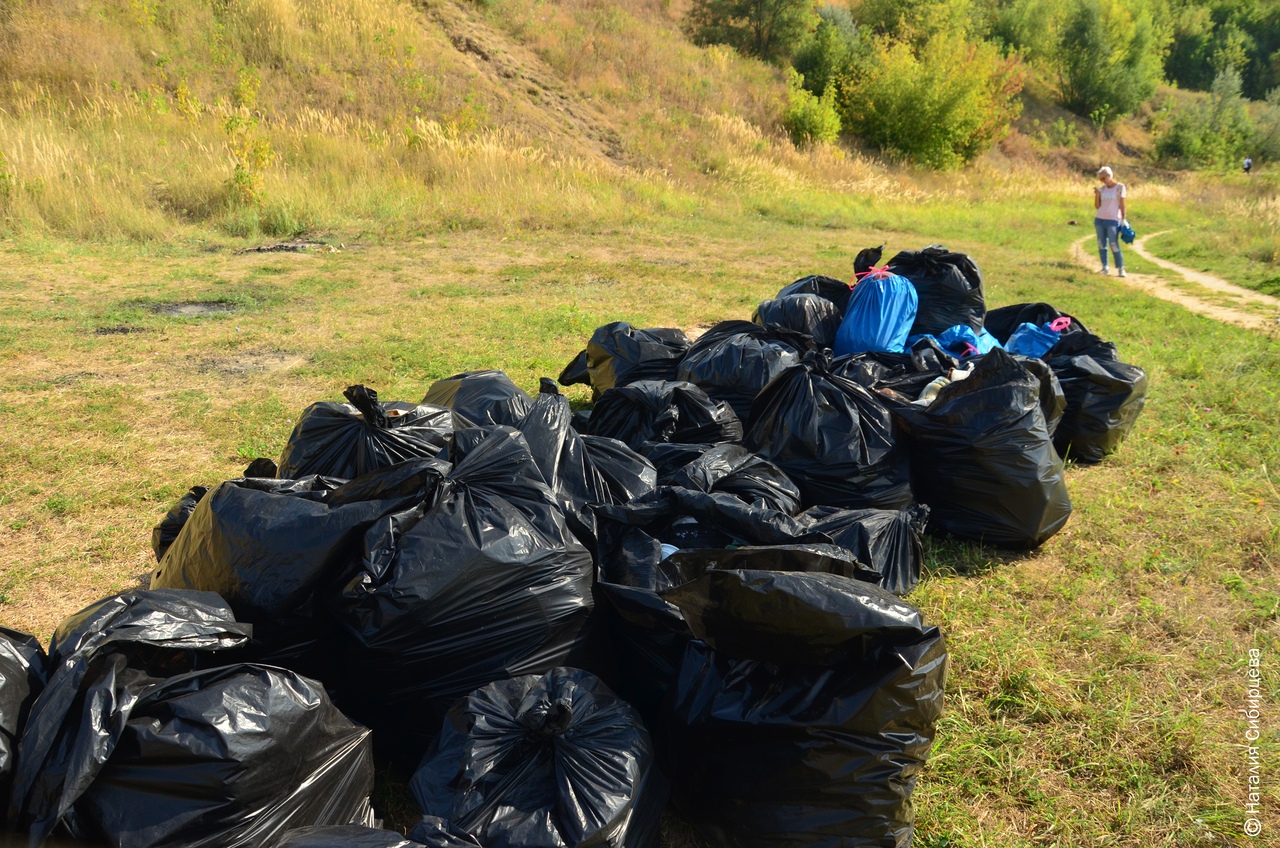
x=1095 y=684
x=491 y=182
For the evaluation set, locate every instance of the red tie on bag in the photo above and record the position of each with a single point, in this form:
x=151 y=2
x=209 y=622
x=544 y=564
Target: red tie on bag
x=874 y=272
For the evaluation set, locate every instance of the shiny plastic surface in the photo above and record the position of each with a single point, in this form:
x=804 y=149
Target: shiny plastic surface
x=811 y=314
x=657 y=411
x=836 y=291
x=346 y=440
x=163 y=534
x=543 y=762
x=228 y=757
x=22 y=677
x=805 y=712
x=949 y=285
x=879 y=317
x=482 y=582
x=619 y=354
x=833 y=437
x=345 y=836
x=733 y=360
x=1104 y=398
x=983 y=460
x=1002 y=321
x=277 y=550
x=731 y=469
x=481 y=397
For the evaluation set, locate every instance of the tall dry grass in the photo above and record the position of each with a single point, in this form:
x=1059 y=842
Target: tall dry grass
x=114 y=125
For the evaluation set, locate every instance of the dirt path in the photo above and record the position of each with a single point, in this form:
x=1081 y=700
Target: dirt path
x=1242 y=307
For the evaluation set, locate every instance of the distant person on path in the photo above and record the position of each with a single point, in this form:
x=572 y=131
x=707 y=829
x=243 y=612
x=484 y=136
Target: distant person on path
x=1109 y=201
x=1248 y=165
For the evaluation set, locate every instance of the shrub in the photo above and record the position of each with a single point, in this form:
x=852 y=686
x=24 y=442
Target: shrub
x=768 y=29
x=942 y=108
x=1109 y=59
x=1214 y=132
x=809 y=119
x=826 y=54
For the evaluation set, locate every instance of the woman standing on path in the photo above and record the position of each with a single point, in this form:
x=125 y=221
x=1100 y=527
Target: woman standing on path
x=1109 y=200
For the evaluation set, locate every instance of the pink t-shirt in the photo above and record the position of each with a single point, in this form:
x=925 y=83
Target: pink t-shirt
x=1109 y=209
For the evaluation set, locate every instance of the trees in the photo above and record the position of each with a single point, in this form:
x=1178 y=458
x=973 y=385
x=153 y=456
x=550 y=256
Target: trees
x=1109 y=58
x=1217 y=132
x=827 y=54
x=768 y=29
x=943 y=107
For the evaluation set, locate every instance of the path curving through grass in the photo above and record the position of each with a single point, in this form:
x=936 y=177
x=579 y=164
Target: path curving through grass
x=1208 y=295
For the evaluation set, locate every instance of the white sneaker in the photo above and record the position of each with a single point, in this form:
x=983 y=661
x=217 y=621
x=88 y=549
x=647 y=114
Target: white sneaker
x=1120 y=273
x=1102 y=270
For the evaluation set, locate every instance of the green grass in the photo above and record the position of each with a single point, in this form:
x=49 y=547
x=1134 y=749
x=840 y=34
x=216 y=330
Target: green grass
x=1093 y=682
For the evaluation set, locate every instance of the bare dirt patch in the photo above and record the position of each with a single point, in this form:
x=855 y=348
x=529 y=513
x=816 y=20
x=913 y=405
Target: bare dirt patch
x=288 y=247
x=1250 y=309
x=250 y=363
x=193 y=308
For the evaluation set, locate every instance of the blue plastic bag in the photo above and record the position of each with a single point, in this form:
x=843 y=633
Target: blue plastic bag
x=1127 y=235
x=1032 y=340
x=960 y=341
x=881 y=311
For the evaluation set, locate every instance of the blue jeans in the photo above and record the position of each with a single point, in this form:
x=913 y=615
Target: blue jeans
x=1108 y=233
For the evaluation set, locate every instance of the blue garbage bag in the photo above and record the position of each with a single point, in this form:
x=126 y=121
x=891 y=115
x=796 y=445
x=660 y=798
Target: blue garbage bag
x=881 y=310
x=960 y=340
x=1036 y=340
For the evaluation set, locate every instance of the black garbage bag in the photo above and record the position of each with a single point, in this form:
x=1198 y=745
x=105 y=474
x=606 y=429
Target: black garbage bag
x=867 y=259
x=1053 y=399
x=734 y=360
x=1103 y=400
x=173 y=622
x=482 y=582
x=280 y=551
x=23 y=673
x=227 y=757
x=649 y=634
x=983 y=460
x=828 y=288
x=949 y=286
x=544 y=762
x=481 y=397
x=1002 y=322
x=565 y=460
x=904 y=375
x=347 y=440
x=262 y=467
x=657 y=411
x=163 y=534
x=285 y=755
x=345 y=836
x=626 y=474
x=811 y=314
x=618 y=354
x=833 y=437
x=725 y=468
x=805 y=711
x=1083 y=344
x=885 y=544
x=140 y=634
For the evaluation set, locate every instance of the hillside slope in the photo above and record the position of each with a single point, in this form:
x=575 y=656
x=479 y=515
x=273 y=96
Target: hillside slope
x=135 y=119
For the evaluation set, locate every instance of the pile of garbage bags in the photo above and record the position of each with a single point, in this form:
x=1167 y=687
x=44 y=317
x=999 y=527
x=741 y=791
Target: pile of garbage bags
x=552 y=622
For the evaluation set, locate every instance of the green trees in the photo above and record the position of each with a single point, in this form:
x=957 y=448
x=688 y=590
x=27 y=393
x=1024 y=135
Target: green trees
x=942 y=106
x=769 y=29
x=1217 y=132
x=1109 y=58
x=809 y=119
